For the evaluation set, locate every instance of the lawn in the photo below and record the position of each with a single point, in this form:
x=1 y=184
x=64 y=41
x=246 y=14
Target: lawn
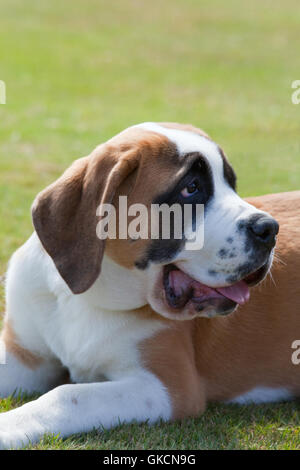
x=78 y=72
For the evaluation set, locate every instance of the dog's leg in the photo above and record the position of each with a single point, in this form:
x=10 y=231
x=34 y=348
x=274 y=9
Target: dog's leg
x=16 y=377
x=77 y=408
x=22 y=370
x=27 y=364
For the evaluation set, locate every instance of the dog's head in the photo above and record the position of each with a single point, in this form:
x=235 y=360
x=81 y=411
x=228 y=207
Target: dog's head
x=155 y=164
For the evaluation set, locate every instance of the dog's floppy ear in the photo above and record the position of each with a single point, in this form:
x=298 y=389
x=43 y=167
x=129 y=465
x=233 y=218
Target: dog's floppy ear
x=64 y=214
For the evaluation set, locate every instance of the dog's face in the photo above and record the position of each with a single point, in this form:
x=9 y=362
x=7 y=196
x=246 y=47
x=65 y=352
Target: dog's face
x=160 y=164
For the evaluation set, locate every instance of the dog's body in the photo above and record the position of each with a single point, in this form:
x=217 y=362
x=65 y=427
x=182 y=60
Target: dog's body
x=122 y=341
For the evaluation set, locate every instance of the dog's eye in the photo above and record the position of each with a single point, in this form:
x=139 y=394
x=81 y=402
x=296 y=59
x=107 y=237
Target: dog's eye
x=191 y=189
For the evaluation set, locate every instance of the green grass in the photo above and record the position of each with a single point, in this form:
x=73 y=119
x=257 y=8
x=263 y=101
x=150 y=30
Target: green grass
x=78 y=72
x=275 y=426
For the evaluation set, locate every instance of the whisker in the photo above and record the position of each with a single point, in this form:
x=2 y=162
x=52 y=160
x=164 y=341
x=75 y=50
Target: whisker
x=277 y=258
x=272 y=278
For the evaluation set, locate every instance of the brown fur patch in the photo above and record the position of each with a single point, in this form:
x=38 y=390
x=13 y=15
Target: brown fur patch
x=159 y=166
x=170 y=356
x=25 y=356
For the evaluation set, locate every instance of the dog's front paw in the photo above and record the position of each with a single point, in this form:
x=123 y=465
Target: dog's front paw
x=16 y=430
x=12 y=440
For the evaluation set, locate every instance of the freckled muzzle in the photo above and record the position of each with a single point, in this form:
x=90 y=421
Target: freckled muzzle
x=260 y=232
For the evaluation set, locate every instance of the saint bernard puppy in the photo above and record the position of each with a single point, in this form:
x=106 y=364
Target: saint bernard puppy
x=136 y=329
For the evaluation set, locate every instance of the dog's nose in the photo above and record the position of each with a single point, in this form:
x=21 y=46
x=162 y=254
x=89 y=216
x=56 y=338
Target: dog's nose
x=264 y=229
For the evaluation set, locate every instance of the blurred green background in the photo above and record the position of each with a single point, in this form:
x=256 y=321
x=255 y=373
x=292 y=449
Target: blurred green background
x=79 y=71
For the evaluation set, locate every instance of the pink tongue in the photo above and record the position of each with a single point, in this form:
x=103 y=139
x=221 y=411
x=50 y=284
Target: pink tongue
x=239 y=292
x=180 y=282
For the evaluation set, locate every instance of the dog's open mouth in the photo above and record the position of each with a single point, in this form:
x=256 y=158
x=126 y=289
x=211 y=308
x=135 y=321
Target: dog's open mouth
x=181 y=289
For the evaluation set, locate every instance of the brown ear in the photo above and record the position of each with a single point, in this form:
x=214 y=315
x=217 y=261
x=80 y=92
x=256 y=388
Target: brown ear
x=64 y=214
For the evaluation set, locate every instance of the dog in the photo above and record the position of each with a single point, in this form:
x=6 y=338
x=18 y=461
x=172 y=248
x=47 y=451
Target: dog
x=122 y=330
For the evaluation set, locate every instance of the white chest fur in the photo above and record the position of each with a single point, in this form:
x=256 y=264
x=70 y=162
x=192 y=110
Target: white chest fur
x=95 y=344
x=91 y=340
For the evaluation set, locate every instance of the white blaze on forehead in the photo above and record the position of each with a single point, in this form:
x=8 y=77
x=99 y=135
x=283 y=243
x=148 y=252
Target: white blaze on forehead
x=187 y=142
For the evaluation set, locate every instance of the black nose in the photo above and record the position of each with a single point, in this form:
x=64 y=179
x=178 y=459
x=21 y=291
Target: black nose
x=264 y=229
